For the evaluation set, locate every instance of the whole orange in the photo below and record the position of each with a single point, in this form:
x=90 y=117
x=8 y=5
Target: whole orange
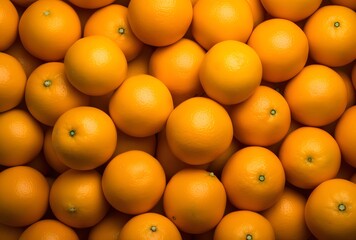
x=95 y=65
x=282 y=47
x=194 y=200
x=23 y=195
x=84 y=138
x=21 y=137
x=48 y=28
x=230 y=72
x=216 y=21
x=12 y=82
x=133 y=182
x=198 y=130
x=160 y=22
x=330 y=210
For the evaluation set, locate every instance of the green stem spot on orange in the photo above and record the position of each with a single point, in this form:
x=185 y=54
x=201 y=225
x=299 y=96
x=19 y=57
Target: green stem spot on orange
x=273 y=112
x=211 y=174
x=47 y=12
x=336 y=24
x=72 y=133
x=261 y=178
x=47 y=83
x=309 y=159
x=174 y=218
x=342 y=207
x=249 y=237
x=121 y=30
x=72 y=210
x=153 y=228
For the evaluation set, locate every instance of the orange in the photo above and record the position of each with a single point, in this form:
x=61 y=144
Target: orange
x=95 y=65
x=141 y=105
x=230 y=72
x=126 y=143
x=49 y=94
x=330 y=210
x=346 y=3
x=84 y=138
x=177 y=66
x=23 y=196
x=21 y=137
x=282 y=47
x=253 y=178
x=140 y=64
x=91 y=4
x=48 y=28
x=309 y=156
x=331 y=33
x=258 y=11
x=263 y=119
x=294 y=10
x=12 y=82
x=194 y=200
x=160 y=22
x=10 y=233
x=287 y=216
x=28 y=61
x=216 y=21
x=345 y=135
x=133 y=182
x=23 y=3
x=9 y=19
x=50 y=155
x=207 y=130
x=111 y=21
x=109 y=227
x=149 y=226
x=170 y=163
x=243 y=224
x=317 y=96
x=351 y=94
x=77 y=199
x=47 y=229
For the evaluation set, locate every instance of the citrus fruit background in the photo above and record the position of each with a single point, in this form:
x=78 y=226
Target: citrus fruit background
x=178 y=119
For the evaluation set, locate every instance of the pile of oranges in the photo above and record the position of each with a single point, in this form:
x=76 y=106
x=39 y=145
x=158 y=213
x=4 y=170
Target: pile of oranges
x=177 y=119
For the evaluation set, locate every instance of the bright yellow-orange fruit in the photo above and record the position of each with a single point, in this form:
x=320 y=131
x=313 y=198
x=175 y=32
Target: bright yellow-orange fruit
x=91 y=4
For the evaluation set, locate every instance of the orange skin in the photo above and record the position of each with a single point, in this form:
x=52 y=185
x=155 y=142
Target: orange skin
x=84 y=138
x=149 y=226
x=263 y=119
x=258 y=11
x=345 y=135
x=12 y=82
x=230 y=72
x=47 y=229
x=309 y=156
x=95 y=65
x=282 y=47
x=141 y=105
x=351 y=94
x=294 y=10
x=49 y=94
x=208 y=130
x=253 y=178
x=194 y=200
x=55 y=18
x=138 y=187
x=312 y=104
x=75 y=207
x=160 y=23
x=10 y=233
x=23 y=195
x=345 y=3
x=216 y=21
x=244 y=224
x=140 y=64
x=111 y=21
x=330 y=210
x=331 y=33
x=109 y=227
x=287 y=216
x=91 y=4
x=21 y=137
x=177 y=66
x=9 y=19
